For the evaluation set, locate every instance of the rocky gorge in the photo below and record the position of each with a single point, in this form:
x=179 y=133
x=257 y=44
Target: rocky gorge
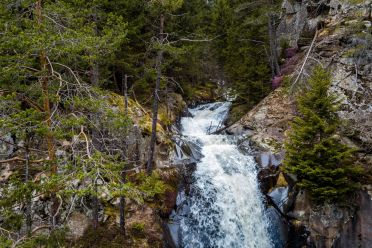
x=342 y=42
x=335 y=34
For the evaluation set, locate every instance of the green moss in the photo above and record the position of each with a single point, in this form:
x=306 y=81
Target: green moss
x=137 y=229
x=55 y=239
x=273 y=143
x=202 y=92
x=5 y=243
x=237 y=111
x=103 y=236
x=353 y=1
x=284 y=44
x=287 y=83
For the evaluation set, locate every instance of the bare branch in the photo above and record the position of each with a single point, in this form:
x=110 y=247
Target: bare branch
x=17 y=159
x=307 y=56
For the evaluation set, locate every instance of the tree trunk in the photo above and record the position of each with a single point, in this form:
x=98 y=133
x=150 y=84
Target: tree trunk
x=159 y=60
x=28 y=197
x=122 y=206
x=95 y=206
x=47 y=111
x=94 y=74
x=274 y=58
x=125 y=93
x=94 y=70
x=123 y=173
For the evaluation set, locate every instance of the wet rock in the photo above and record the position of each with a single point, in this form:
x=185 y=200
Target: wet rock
x=264 y=160
x=280 y=196
x=239 y=130
x=172 y=226
x=278 y=228
x=268 y=159
x=267 y=179
x=185 y=151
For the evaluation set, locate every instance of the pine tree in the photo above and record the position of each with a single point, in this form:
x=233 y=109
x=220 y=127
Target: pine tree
x=324 y=166
x=162 y=8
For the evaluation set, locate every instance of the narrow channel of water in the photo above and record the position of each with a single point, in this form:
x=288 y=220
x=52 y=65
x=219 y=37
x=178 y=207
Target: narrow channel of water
x=225 y=203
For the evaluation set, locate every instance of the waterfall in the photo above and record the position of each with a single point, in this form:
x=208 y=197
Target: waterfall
x=225 y=206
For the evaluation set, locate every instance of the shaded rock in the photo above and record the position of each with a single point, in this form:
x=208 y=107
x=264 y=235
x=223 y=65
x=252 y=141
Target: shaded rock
x=171 y=178
x=267 y=179
x=268 y=159
x=277 y=81
x=278 y=228
x=290 y=52
x=302 y=207
x=77 y=224
x=357 y=232
x=280 y=196
x=5 y=172
x=6 y=147
x=329 y=225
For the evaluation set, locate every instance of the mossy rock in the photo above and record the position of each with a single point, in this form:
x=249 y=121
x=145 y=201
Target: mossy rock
x=137 y=229
x=167 y=202
x=139 y=115
x=237 y=111
x=103 y=236
x=206 y=92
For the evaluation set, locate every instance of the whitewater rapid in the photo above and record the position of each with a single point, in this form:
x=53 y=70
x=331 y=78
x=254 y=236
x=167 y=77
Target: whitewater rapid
x=226 y=206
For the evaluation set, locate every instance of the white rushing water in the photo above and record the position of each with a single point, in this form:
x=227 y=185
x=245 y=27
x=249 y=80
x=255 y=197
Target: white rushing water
x=226 y=208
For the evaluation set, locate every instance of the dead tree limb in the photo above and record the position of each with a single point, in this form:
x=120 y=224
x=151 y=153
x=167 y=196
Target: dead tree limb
x=306 y=58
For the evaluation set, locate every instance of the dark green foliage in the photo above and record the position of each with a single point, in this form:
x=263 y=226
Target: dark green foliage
x=324 y=166
x=208 y=44
x=55 y=239
x=242 y=47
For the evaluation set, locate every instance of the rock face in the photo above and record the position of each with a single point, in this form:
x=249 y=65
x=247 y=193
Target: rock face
x=332 y=226
x=77 y=224
x=357 y=231
x=268 y=121
x=344 y=46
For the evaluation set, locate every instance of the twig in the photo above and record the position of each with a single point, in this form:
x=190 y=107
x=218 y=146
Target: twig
x=86 y=141
x=26 y=237
x=15 y=159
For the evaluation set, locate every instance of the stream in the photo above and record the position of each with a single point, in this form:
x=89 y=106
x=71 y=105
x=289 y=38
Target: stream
x=224 y=207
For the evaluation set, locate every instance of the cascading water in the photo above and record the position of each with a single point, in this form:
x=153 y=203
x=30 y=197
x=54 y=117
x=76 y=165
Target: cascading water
x=225 y=203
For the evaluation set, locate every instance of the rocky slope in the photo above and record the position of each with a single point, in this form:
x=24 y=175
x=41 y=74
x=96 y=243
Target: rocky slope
x=342 y=44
